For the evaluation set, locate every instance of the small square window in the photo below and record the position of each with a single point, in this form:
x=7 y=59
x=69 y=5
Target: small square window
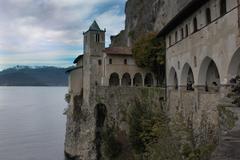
x=99 y=62
x=125 y=61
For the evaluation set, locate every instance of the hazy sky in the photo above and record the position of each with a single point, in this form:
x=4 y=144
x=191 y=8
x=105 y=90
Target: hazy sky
x=49 y=32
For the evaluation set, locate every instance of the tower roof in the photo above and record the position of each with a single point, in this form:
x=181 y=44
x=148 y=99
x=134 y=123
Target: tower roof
x=94 y=27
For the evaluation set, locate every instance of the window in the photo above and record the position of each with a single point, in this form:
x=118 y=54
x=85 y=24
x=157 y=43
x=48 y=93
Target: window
x=223 y=7
x=208 y=16
x=178 y=65
x=176 y=36
x=195 y=25
x=186 y=28
x=170 y=40
x=125 y=61
x=182 y=33
x=110 y=61
x=99 y=62
x=97 y=37
x=195 y=61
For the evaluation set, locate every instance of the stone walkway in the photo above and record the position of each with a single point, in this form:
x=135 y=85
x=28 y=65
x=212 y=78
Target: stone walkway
x=229 y=147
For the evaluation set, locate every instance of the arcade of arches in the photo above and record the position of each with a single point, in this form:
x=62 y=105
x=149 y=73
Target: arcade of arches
x=127 y=80
x=208 y=74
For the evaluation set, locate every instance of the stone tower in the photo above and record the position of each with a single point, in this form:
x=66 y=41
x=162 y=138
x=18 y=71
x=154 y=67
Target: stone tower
x=94 y=44
x=94 y=40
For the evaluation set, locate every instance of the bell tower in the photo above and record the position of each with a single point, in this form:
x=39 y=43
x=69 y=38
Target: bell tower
x=94 y=44
x=94 y=40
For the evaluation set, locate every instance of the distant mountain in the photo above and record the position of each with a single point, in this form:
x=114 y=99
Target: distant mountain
x=38 y=76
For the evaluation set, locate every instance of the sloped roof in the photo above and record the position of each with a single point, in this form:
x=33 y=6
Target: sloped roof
x=78 y=58
x=118 y=51
x=94 y=27
x=72 y=69
x=182 y=15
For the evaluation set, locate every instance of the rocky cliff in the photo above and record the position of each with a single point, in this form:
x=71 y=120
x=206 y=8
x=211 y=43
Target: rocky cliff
x=146 y=16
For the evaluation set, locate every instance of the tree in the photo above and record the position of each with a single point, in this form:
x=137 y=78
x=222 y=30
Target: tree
x=149 y=52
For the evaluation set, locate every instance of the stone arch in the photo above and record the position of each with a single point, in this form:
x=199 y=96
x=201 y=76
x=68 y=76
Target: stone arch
x=234 y=65
x=100 y=116
x=114 y=80
x=187 y=77
x=126 y=79
x=172 y=78
x=138 y=80
x=148 y=80
x=208 y=74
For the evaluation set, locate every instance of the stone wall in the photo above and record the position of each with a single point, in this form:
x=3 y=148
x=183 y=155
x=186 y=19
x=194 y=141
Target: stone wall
x=198 y=108
x=80 y=140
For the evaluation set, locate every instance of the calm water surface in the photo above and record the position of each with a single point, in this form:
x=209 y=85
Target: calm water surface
x=32 y=125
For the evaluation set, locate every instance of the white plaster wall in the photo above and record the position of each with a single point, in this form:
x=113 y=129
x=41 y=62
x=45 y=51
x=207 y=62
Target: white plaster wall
x=119 y=67
x=217 y=40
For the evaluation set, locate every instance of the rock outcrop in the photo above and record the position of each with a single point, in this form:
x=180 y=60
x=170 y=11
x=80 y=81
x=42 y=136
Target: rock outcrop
x=146 y=16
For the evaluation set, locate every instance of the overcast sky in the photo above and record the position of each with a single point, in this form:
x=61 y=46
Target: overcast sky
x=49 y=32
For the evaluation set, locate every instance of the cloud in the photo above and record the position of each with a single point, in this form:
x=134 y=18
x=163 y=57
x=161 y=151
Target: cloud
x=33 y=31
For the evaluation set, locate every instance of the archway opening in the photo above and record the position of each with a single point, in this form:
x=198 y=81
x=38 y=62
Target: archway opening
x=187 y=78
x=148 y=81
x=114 y=80
x=137 y=80
x=173 y=79
x=234 y=67
x=209 y=75
x=126 y=79
x=100 y=116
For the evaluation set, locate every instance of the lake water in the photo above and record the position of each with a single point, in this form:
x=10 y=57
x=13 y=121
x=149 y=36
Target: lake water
x=32 y=125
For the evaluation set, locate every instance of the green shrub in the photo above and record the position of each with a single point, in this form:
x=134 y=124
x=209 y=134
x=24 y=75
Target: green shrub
x=111 y=147
x=149 y=52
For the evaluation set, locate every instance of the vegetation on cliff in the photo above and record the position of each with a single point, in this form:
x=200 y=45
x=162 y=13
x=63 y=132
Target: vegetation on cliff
x=154 y=136
x=149 y=52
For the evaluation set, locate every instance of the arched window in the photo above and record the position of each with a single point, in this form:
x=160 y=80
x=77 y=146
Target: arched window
x=182 y=34
x=148 y=81
x=208 y=16
x=195 y=25
x=97 y=37
x=126 y=79
x=195 y=61
x=137 y=80
x=223 y=7
x=170 y=40
x=176 y=36
x=114 y=80
x=186 y=28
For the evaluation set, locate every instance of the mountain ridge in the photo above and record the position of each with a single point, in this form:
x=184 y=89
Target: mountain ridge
x=34 y=76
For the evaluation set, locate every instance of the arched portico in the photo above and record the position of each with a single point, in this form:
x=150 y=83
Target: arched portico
x=149 y=81
x=114 y=80
x=173 y=78
x=234 y=66
x=126 y=80
x=138 y=80
x=208 y=74
x=187 y=77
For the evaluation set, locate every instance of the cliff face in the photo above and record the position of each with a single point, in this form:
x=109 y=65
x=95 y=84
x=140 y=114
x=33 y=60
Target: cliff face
x=144 y=16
